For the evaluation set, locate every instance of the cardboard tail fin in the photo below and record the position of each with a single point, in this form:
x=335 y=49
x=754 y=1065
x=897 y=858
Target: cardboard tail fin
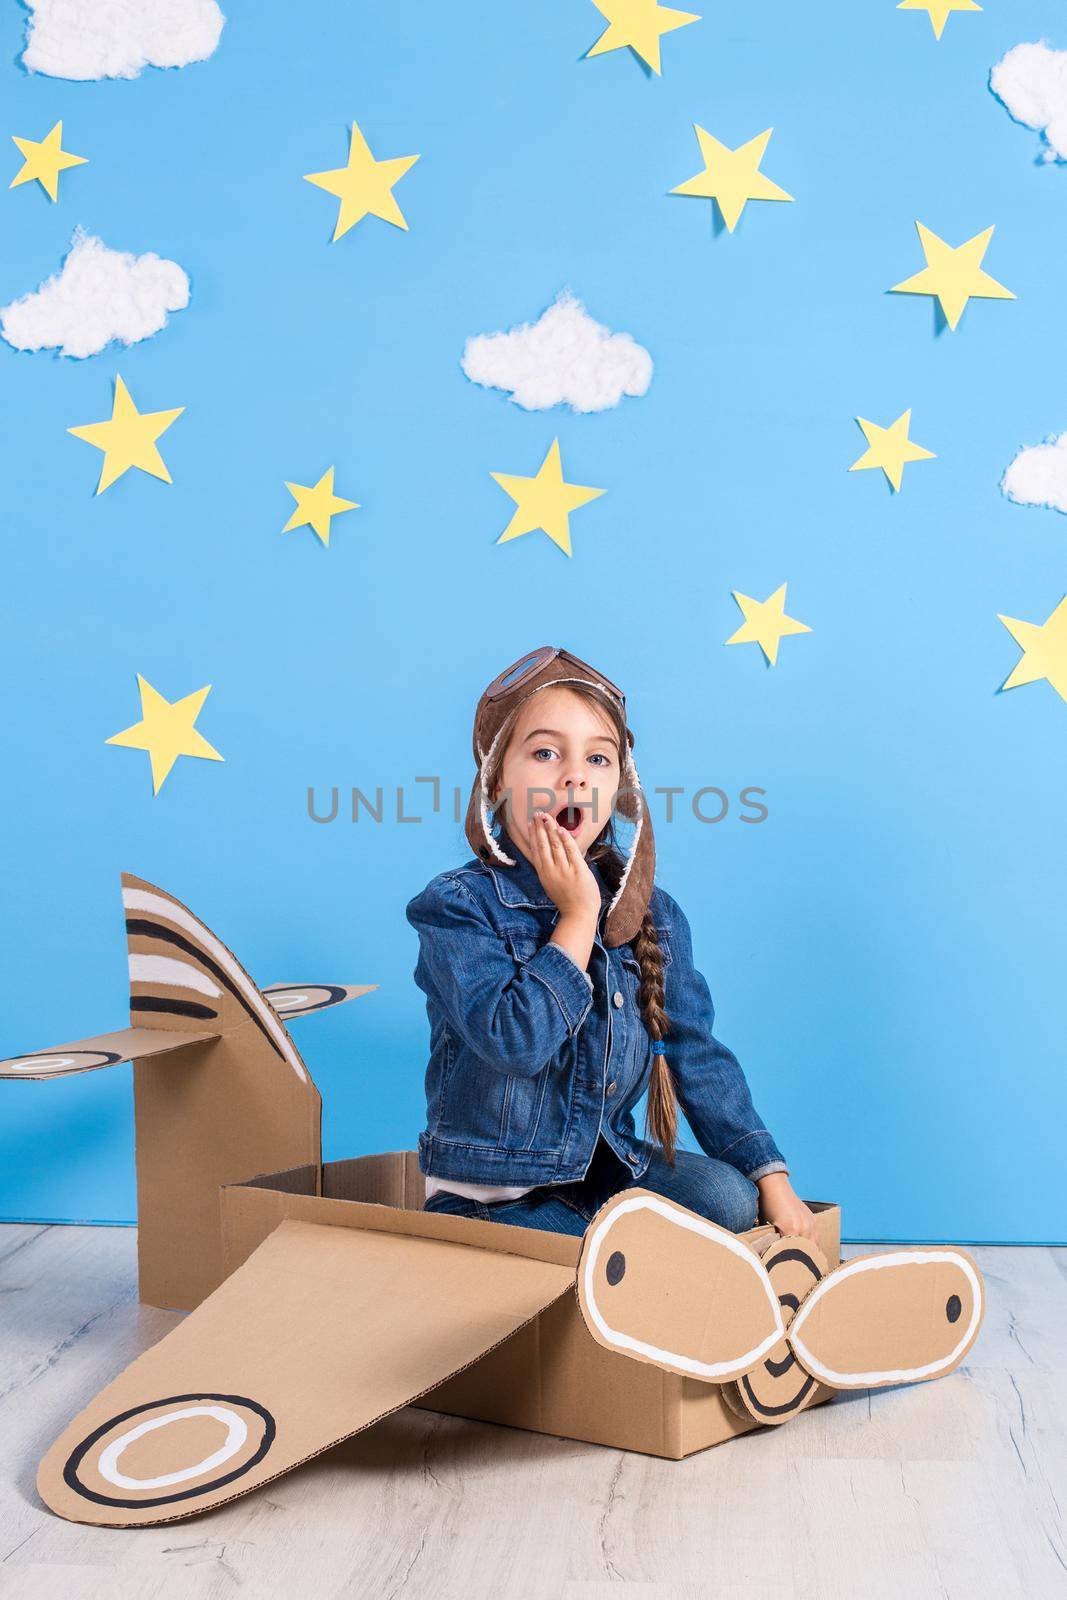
x=182 y=978
x=319 y=1334
x=238 y=1098
x=242 y=1105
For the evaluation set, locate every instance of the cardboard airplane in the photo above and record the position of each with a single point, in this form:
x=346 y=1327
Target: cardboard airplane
x=325 y=1297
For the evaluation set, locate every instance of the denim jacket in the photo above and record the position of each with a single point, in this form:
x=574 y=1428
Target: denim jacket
x=531 y=1057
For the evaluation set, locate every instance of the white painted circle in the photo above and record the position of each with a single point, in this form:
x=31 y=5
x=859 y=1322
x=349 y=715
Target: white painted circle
x=236 y=1434
x=286 y=999
x=39 y=1063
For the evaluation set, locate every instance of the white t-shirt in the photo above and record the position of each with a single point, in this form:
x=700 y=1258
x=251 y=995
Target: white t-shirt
x=478 y=1191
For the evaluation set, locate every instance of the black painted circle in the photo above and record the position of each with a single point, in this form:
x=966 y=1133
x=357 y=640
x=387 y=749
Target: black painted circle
x=789 y=1405
x=953 y=1308
x=80 y=1058
x=777 y=1367
x=333 y=992
x=74 y=1460
x=616 y=1266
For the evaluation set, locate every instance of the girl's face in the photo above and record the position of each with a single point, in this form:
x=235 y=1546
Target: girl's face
x=563 y=757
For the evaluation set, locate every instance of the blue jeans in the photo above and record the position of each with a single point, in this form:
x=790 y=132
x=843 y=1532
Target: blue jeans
x=713 y=1189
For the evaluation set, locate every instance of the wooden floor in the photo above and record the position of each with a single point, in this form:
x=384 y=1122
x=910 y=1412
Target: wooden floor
x=951 y=1489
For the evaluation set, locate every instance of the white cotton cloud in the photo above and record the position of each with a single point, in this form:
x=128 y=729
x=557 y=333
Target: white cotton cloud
x=1031 y=80
x=563 y=358
x=115 y=38
x=97 y=295
x=1038 y=475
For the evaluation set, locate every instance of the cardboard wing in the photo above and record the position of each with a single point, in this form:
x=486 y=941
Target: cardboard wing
x=301 y=999
x=323 y=1331
x=661 y=1284
x=104 y=1050
x=220 y=1090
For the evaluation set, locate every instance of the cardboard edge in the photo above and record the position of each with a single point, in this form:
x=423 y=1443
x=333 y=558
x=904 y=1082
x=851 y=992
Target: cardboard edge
x=253 y=1196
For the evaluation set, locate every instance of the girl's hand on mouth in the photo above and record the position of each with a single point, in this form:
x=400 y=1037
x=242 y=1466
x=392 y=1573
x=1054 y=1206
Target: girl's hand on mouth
x=563 y=870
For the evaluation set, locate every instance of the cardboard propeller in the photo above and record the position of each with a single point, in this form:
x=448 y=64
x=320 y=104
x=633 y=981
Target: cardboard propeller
x=216 y=1078
x=326 y=1329
x=660 y=1284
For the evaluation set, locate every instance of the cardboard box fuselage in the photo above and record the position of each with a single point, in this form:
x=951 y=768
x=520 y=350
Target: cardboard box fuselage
x=551 y=1376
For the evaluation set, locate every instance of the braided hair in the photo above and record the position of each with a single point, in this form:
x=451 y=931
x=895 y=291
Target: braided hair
x=661 y=1111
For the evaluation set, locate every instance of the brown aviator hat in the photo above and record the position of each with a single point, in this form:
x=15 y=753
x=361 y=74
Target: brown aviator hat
x=542 y=668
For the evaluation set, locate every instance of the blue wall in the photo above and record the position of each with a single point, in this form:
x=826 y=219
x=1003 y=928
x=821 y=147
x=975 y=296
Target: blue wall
x=886 y=950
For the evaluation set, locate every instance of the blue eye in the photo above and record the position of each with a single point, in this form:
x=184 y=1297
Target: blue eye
x=597 y=755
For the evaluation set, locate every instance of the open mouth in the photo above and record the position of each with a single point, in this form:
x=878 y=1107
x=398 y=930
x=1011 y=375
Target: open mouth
x=570 y=818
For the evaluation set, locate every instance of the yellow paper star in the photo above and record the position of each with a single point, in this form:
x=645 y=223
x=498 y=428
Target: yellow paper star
x=889 y=448
x=731 y=177
x=765 y=623
x=639 y=24
x=1044 y=650
x=953 y=274
x=128 y=439
x=938 y=10
x=364 y=187
x=544 y=501
x=45 y=161
x=316 y=506
x=166 y=731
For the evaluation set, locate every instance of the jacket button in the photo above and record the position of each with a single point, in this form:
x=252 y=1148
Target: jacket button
x=616 y=998
x=610 y=1088
x=632 y=1158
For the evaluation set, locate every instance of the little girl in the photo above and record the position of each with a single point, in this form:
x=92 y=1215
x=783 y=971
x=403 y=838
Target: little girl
x=560 y=987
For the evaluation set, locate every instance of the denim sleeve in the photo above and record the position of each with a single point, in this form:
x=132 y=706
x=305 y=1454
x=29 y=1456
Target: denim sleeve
x=710 y=1084
x=514 y=1015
